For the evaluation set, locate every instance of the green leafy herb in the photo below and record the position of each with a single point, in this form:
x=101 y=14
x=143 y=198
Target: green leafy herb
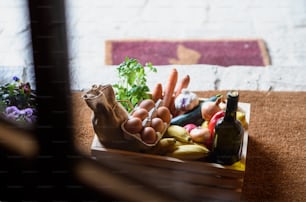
x=132 y=85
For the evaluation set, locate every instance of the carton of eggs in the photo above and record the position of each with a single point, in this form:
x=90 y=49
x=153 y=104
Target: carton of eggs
x=147 y=123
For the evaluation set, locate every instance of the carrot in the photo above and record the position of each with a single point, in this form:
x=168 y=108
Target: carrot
x=169 y=88
x=172 y=107
x=182 y=84
x=157 y=92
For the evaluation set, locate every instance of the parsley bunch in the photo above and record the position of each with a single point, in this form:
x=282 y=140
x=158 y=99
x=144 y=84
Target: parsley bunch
x=132 y=85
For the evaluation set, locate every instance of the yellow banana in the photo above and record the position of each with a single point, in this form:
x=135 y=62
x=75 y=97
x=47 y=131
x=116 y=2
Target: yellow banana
x=179 y=143
x=241 y=117
x=205 y=124
x=189 y=152
x=179 y=133
x=237 y=166
x=164 y=146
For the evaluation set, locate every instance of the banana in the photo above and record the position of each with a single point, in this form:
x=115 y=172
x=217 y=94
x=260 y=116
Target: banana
x=179 y=143
x=164 y=146
x=241 y=117
x=205 y=124
x=189 y=152
x=179 y=133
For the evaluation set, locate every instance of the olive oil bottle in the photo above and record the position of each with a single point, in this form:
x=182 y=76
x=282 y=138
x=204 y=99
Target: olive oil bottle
x=229 y=133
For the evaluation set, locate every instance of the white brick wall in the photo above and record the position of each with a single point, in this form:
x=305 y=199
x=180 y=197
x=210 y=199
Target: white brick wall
x=281 y=23
x=14 y=33
x=272 y=20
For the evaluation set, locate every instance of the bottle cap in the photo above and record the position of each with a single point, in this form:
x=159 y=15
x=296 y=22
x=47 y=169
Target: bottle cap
x=232 y=100
x=234 y=94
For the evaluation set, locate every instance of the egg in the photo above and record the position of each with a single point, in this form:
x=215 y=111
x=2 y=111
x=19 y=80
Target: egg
x=148 y=135
x=140 y=113
x=133 y=125
x=157 y=124
x=147 y=104
x=164 y=113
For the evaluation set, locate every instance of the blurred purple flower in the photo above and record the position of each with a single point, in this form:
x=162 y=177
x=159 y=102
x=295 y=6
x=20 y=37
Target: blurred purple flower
x=12 y=116
x=15 y=78
x=12 y=109
x=16 y=97
x=25 y=87
x=28 y=112
x=12 y=112
x=30 y=119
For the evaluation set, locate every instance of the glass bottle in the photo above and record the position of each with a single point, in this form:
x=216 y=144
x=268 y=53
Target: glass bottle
x=229 y=133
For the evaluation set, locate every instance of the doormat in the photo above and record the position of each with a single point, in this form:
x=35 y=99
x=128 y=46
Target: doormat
x=226 y=53
x=275 y=158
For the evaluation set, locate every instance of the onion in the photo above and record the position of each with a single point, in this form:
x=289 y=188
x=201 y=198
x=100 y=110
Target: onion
x=200 y=135
x=209 y=108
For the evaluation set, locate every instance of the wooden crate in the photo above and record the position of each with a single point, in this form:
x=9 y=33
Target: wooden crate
x=184 y=180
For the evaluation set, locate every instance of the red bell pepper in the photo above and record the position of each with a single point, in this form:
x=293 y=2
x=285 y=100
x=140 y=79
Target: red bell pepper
x=213 y=121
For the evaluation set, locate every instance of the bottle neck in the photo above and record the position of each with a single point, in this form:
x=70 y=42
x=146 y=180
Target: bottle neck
x=230 y=116
x=231 y=106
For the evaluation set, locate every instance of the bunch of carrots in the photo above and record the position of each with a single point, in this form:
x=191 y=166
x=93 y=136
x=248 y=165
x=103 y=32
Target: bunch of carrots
x=171 y=90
